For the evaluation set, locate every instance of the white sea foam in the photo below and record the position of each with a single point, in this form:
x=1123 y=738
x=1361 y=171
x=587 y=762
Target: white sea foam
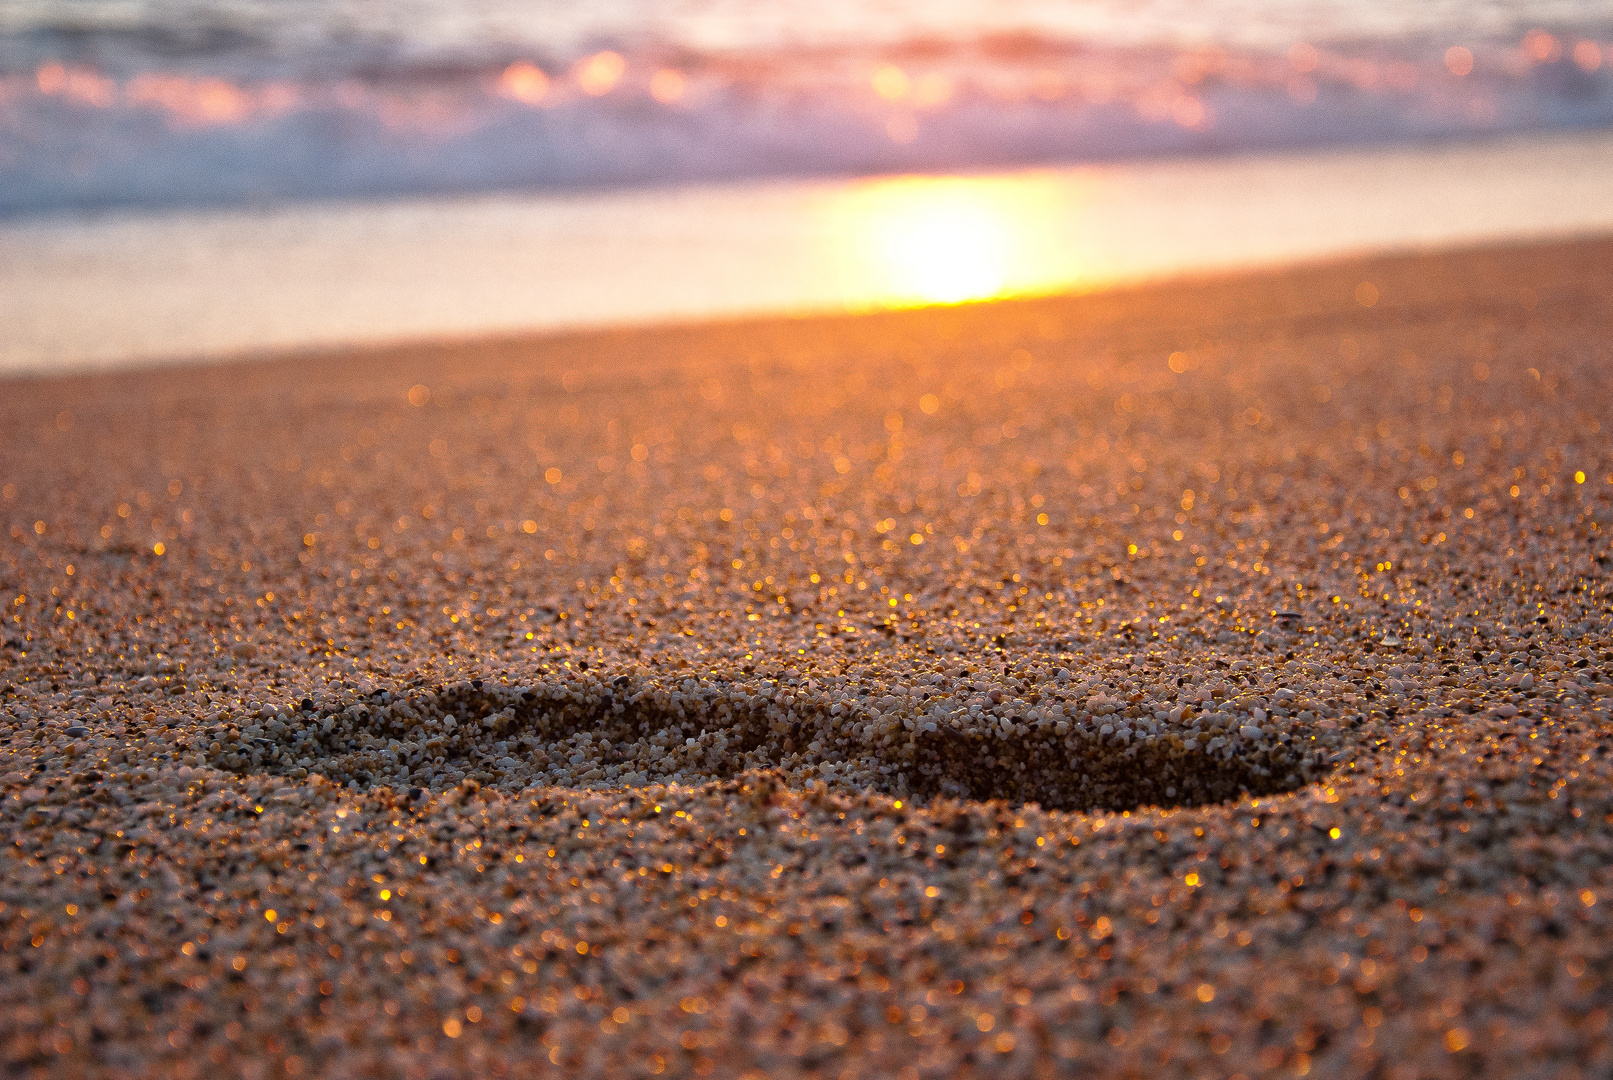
x=193 y=102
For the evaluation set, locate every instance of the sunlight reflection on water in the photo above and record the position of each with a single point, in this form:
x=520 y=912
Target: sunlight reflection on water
x=913 y=240
x=137 y=287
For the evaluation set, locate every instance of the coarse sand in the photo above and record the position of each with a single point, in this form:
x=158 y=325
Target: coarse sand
x=1209 y=679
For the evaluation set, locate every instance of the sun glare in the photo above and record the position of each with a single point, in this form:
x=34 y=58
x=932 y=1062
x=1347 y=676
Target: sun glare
x=910 y=241
x=523 y=81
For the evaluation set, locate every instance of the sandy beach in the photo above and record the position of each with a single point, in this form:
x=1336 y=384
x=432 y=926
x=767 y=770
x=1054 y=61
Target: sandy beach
x=1205 y=679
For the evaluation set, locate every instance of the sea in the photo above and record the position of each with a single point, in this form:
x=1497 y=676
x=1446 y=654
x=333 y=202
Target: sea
x=585 y=163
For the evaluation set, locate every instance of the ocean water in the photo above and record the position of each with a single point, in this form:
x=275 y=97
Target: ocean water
x=190 y=103
x=140 y=286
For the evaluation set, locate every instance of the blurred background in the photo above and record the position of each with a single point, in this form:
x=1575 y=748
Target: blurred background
x=463 y=166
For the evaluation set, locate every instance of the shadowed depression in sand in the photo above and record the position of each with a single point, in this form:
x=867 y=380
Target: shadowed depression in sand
x=1205 y=679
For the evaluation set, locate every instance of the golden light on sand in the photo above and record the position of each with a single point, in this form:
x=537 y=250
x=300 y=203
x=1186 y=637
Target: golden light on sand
x=911 y=241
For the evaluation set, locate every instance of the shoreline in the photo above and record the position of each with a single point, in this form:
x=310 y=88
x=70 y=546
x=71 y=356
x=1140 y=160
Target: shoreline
x=306 y=791
x=376 y=353
x=135 y=289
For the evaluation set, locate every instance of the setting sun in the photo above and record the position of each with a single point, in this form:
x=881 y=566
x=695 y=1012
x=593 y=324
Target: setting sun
x=910 y=241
